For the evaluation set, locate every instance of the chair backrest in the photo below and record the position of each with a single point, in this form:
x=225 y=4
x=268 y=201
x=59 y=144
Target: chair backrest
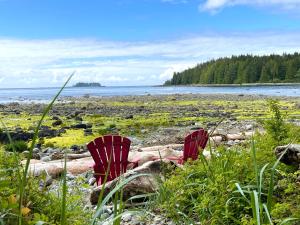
x=193 y=143
x=106 y=148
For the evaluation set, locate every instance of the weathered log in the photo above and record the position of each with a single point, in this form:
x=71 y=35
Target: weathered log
x=141 y=185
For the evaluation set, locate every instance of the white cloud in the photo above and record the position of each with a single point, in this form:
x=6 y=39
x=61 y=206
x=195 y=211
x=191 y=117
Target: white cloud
x=287 y=5
x=26 y=63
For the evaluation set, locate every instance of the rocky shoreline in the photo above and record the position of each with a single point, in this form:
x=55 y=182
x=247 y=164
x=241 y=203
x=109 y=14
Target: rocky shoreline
x=159 y=123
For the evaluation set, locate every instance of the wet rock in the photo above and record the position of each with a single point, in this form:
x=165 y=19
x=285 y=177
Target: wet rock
x=77 y=118
x=46 y=131
x=17 y=135
x=55 y=118
x=88 y=132
x=79 y=126
x=129 y=117
x=57 y=123
x=75 y=148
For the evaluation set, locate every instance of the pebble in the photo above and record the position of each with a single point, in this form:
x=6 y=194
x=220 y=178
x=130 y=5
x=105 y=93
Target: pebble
x=127 y=217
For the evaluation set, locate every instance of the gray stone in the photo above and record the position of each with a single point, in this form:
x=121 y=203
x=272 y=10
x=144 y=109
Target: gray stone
x=249 y=127
x=46 y=159
x=92 y=181
x=36 y=150
x=230 y=142
x=127 y=217
x=70 y=176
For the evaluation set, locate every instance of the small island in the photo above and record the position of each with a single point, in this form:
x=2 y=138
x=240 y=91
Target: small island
x=82 y=84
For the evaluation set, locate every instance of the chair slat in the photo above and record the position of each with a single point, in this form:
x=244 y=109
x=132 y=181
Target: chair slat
x=108 y=147
x=117 y=142
x=194 y=143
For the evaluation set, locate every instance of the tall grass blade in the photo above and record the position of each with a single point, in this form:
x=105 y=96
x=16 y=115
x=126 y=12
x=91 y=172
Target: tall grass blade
x=253 y=149
x=271 y=185
x=255 y=207
x=261 y=173
x=268 y=214
x=34 y=139
x=240 y=190
x=289 y=220
x=209 y=170
x=64 y=193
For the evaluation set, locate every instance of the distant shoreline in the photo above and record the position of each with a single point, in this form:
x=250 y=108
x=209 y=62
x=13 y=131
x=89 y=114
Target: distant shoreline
x=234 y=85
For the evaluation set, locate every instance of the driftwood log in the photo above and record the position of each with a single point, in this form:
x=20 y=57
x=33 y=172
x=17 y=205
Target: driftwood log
x=141 y=185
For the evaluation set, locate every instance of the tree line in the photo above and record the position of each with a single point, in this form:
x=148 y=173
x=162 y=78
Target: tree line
x=242 y=69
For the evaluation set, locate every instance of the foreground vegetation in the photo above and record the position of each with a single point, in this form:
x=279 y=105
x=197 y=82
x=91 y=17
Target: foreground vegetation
x=239 y=185
x=242 y=69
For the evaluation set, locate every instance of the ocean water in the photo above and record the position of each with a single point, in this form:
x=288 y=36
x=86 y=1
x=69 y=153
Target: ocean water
x=46 y=94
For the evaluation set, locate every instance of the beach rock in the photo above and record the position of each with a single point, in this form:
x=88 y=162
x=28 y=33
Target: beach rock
x=34 y=155
x=248 y=127
x=88 y=132
x=79 y=126
x=57 y=155
x=57 y=123
x=129 y=117
x=55 y=118
x=77 y=118
x=75 y=148
x=46 y=182
x=17 y=135
x=140 y=185
x=46 y=159
x=292 y=155
x=46 y=131
x=36 y=150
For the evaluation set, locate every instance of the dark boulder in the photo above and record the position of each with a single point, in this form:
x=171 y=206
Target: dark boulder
x=57 y=123
x=291 y=156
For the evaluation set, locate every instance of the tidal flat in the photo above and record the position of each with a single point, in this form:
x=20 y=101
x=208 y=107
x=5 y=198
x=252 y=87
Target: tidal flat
x=147 y=120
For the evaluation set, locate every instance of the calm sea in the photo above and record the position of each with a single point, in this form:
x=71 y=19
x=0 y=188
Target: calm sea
x=45 y=94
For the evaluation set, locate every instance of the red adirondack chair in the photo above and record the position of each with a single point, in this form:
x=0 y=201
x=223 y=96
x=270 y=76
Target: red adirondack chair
x=193 y=143
x=106 y=148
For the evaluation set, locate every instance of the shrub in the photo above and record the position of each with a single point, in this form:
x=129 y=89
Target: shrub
x=276 y=127
x=200 y=192
x=18 y=146
x=206 y=190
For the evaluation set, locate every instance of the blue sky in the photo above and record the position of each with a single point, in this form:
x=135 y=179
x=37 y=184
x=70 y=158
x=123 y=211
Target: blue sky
x=135 y=42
